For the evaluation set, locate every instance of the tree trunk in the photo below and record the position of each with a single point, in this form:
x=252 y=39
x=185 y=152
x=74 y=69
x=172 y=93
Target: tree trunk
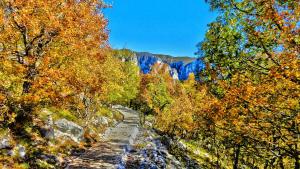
x=26 y=87
x=31 y=73
x=281 y=162
x=236 y=156
x=297 y=165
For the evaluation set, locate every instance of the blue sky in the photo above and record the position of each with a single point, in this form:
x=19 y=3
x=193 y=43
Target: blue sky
x=171 y=27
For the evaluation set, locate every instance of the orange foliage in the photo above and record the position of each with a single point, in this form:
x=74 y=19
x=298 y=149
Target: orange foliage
x=51 y=51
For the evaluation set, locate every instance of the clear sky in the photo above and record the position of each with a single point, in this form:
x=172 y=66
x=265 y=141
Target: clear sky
x=171 y=27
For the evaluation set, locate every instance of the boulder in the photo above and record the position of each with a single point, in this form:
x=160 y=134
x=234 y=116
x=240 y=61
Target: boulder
x=68 y=129
x=21 y=151
x=5 y=142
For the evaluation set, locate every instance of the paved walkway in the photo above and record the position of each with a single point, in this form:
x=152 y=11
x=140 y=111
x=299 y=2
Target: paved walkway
x=108 y=154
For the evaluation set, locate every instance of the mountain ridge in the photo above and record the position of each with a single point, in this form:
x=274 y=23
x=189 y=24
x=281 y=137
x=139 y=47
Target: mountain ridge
x=167 y=58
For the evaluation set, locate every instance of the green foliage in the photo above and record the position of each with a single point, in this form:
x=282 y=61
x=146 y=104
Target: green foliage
x=122 y=78
x=154 y=91
x=159 y=96
x=65 y=114
x=130 y=82
x=124 y=54
x=23 y=166
x=218 y=91
x=44 y=165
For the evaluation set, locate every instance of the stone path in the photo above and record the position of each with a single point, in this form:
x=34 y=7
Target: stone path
x=109 y=153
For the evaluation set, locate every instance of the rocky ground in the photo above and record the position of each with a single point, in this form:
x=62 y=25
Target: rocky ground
x=126 y=146
x=149 y=153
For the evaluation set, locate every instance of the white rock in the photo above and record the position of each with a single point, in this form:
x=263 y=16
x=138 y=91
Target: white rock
x=5 y=143
x=65 y=128
x=102 y=120
x=174 y=74
x=21 y=151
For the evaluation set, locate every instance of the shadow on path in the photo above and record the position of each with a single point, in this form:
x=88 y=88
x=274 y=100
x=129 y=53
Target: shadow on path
x=108 y=154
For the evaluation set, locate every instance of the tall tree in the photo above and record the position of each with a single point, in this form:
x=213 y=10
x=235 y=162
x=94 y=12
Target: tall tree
x=253 y=49
x=41 y=42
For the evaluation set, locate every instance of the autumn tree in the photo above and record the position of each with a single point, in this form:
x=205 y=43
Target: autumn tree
x=47 y=48
x=252 y=49
x=122 y=78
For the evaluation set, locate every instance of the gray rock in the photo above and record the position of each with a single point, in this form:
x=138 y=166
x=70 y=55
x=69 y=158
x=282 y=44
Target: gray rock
x=117 y=107
x=21 y=151
x=181 y=145
x=68 y=129
x=101 y=121
x=18 y=151
x=5 y=143
x=11 y=152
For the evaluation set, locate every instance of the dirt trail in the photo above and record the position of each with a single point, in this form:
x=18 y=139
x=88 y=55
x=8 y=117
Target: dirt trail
x=117 y=141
